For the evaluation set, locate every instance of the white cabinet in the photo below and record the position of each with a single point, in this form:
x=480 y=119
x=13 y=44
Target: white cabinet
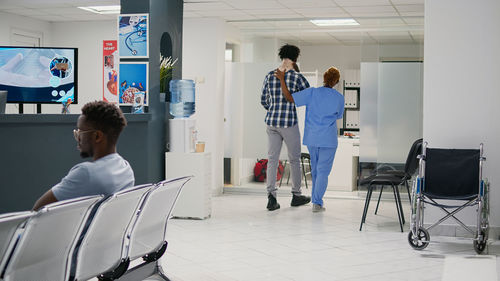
x=343 y=176
x=195 y=198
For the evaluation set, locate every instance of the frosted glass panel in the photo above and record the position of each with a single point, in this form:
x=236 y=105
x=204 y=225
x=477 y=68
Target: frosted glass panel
x=253 y=125
x=232 y=100
x=399 y=118
x=368 y=114
x=391 y=110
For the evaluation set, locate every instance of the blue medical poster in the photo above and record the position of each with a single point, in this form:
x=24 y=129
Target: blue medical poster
x=133 y=39
x=133 y=79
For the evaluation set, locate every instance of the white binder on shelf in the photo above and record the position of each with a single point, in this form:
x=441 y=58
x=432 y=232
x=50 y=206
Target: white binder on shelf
x=352 y=119
x=351 y=98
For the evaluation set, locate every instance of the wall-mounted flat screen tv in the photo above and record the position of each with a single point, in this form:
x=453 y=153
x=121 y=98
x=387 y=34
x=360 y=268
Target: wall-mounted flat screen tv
x=39 y=74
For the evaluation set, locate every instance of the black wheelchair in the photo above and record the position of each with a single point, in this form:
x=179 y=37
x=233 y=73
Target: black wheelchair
x=449 y=174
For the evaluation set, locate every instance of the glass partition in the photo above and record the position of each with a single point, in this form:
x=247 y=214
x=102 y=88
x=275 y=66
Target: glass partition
x=391 y=103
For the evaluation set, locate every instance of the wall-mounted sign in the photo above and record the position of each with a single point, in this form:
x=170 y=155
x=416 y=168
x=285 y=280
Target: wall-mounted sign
x=133 y=39
x=133 y=79
x=110 y=70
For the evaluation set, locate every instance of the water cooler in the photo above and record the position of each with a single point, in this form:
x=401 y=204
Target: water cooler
x=195 y=198
x=182 y=127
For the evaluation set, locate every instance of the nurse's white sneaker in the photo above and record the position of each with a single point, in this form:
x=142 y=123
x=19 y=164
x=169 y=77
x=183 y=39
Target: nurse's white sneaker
x=318 y=208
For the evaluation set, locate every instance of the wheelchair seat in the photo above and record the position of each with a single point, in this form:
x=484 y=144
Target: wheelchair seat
x=445 y=177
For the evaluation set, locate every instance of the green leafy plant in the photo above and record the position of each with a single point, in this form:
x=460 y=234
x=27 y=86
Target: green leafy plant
x=166 y=68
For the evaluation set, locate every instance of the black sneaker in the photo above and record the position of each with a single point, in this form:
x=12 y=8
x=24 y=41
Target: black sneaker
x=299 y=200
x=272 y=204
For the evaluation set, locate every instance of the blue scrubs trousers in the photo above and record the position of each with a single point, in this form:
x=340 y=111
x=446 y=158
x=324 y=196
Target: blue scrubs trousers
x=321 y=165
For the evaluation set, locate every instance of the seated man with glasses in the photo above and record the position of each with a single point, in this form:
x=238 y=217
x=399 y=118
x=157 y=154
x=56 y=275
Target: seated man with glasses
x=99 y=127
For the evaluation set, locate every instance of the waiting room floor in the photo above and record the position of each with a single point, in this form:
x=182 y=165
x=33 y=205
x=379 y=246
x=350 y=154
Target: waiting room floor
x=244 y=241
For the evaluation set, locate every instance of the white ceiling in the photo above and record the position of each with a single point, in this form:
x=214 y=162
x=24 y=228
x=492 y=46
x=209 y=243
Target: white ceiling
x=381 y=21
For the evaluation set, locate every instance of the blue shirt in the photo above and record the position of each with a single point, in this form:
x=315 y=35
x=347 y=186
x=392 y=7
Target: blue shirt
x=323 y=107
x=105 y=176
x=280 y=112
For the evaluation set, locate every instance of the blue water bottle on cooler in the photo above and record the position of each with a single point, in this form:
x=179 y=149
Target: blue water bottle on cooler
x=182 y=98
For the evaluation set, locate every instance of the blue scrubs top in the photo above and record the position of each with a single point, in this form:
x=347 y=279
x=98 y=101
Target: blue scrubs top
x=323 y=107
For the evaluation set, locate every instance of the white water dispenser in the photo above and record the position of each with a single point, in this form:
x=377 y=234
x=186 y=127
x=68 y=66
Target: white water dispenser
x=182 y=134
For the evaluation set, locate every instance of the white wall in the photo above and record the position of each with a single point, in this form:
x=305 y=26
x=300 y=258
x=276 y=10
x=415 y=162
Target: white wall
x=375 y=53
x=87 y=37
x=233 y=34
x=461 y=82
x=203 y=48
x=321 y=57
x=9 y=23
x=258 y=49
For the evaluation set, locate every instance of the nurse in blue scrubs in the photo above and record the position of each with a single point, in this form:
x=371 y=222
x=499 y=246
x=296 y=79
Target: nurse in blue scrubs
x=324 y=105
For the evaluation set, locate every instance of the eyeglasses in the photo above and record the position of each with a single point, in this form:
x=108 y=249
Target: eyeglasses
x=77 y=132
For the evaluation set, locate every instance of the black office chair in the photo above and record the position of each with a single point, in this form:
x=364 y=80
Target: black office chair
x=303 y=157
x=394 y=178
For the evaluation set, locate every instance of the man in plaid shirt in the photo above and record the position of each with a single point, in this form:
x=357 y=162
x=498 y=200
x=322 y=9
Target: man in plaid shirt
x=281 y=120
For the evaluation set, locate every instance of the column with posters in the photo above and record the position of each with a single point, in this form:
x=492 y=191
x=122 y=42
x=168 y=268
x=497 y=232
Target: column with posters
x=133 y=43
x=110 y=71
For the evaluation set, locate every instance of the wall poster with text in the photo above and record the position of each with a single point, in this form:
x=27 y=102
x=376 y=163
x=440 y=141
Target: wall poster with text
x=133 y=39
x=110 y=71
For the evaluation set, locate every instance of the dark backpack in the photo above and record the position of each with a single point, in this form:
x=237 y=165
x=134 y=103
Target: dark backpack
x=260 y=170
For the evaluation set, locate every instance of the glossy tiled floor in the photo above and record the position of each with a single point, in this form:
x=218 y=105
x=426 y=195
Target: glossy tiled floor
x=244 y=241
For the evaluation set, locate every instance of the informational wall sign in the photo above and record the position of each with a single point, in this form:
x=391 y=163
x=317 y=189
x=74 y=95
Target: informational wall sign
x=110 y=70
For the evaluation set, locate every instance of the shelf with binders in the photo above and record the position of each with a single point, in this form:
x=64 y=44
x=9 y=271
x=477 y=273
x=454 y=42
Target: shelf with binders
x=350 y=120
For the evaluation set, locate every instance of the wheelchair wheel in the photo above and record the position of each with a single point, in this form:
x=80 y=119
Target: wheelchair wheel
x=420 y=241
x=479 y=246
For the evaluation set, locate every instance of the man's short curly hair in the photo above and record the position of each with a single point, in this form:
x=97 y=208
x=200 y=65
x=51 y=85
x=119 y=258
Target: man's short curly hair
x=289 y=52
x=331 y=77
x=105 y=117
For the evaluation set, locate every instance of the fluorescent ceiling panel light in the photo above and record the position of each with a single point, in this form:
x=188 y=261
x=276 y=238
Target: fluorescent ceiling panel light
x=334 y=22
x=103 y=10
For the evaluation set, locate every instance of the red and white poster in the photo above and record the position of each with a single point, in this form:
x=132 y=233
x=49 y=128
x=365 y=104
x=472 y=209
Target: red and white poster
x=110 y=70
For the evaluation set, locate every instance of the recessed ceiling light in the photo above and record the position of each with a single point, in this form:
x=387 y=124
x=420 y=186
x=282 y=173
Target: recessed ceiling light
x=334 y=22
x=103 y=10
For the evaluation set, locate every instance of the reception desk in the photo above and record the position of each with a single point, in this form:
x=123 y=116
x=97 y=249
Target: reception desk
x=343 y=176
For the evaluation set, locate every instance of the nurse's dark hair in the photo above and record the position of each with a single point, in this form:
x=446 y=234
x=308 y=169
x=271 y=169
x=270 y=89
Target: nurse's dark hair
x=331 y=77
x=289 y=52
x=105 y=117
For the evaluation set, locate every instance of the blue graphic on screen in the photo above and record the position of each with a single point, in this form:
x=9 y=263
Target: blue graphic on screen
x=38 y=75
x=133 y=36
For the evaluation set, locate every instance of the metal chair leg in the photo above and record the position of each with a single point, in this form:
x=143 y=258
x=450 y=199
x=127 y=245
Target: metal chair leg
x=379 y=196
x=367 y=203
x=408 y=189
x=397 y=206
x=400 y=204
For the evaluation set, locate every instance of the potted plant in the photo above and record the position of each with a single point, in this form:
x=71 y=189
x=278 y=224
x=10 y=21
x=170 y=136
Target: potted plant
x=166 y=68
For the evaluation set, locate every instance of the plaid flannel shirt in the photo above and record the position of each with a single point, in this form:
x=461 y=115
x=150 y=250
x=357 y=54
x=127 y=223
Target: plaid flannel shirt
x=280 y=112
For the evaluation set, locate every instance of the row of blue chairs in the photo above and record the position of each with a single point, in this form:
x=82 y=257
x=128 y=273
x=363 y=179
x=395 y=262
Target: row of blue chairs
x=88 y=237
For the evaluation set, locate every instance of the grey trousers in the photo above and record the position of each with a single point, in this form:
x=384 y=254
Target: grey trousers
x=275 y=137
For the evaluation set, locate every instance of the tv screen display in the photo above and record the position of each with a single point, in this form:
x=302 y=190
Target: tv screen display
x=39 y=74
